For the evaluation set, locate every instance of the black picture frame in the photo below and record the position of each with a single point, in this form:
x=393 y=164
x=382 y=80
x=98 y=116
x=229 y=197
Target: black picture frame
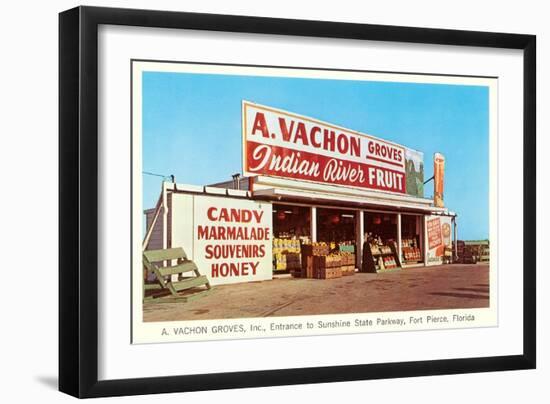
x=78 y=200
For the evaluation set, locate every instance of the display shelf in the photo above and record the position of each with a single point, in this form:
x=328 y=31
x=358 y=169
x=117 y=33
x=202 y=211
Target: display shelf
x=370 y=259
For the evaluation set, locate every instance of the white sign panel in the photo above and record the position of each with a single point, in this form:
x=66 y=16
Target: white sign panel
x=232 y=239
x=438 y=238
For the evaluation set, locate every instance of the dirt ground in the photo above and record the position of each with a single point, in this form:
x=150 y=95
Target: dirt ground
x=439 y=287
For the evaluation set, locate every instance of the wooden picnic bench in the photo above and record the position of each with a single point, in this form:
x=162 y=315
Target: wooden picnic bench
x=164 y=288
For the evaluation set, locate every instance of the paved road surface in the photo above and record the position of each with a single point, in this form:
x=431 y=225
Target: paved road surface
x=442 y=287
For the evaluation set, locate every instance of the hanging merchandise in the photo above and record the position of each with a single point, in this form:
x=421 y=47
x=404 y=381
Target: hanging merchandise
x=286 y=254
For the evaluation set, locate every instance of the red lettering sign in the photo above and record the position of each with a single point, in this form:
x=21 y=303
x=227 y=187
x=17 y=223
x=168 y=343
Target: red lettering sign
x=287 y=163
x=434 y=233
x=232 y=238
x=286 y=145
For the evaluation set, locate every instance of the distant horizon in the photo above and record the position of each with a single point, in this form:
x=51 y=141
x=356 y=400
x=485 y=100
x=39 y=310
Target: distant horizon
x=192 y=128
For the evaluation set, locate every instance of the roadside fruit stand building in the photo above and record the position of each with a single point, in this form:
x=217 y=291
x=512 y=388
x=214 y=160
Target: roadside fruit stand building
x=308 y=188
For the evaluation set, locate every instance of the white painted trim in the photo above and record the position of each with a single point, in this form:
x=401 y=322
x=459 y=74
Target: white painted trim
x=207 y=190
x=184 y=187
x=215 y=191
x=317 y=197
x=238 y=192
x=164 y=217
x=263 y=181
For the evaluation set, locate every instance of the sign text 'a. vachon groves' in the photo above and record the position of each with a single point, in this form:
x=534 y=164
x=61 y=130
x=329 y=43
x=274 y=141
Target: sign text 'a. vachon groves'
x=281 y=144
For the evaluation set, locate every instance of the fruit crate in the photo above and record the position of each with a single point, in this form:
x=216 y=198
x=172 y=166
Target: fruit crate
x=328 y=273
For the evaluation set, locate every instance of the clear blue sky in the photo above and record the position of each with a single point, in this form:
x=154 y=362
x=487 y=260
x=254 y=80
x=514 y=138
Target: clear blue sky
x=192 y=128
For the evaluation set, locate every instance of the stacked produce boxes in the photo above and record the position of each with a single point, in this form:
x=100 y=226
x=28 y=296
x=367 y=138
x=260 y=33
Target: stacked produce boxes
x=347 y=254
x=309 y=251
x=347 y=263
x=327 y=260
x=327 y=266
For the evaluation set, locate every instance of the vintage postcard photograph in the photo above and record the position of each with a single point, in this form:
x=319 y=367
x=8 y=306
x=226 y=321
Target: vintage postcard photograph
x=279 y=202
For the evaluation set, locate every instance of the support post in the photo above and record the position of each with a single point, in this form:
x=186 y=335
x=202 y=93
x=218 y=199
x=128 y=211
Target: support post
x=313 y=224
x=455 y=236
x=164 y=217
x=399 y=244
x=425 y=233
x=360 y=237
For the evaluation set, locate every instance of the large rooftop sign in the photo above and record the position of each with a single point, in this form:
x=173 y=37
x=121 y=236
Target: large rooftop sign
x=286 y=145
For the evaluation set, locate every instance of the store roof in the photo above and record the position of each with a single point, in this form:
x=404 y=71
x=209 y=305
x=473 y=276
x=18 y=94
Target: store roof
x=320 y=198
x=282 y=190
x=298 y=191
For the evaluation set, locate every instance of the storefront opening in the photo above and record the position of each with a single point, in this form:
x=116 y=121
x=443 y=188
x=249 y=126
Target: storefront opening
x=380 y=250
x=336 y=226
x=291 y=222
x=411 y=239
x=291 y=229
